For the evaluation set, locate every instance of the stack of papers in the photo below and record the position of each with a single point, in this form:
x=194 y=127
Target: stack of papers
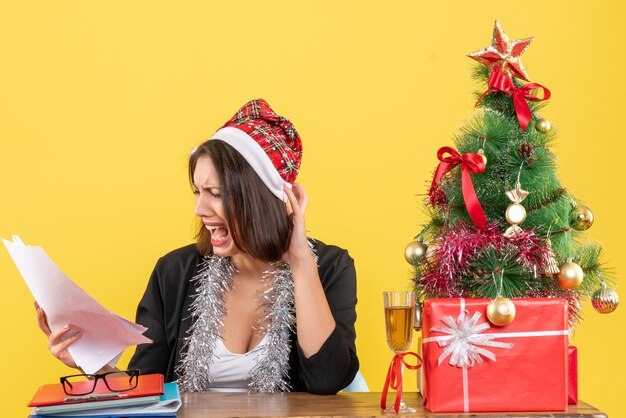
x=141 y=405
x=105 y=335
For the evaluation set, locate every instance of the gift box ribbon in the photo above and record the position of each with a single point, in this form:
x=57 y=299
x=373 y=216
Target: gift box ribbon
x=465 y=342
x=394 y=377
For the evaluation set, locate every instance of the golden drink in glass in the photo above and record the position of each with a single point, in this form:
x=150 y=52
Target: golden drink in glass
x=399 y=324
x=399 y=320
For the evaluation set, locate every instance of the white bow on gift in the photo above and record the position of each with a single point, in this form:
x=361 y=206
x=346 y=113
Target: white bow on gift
x=464 y=340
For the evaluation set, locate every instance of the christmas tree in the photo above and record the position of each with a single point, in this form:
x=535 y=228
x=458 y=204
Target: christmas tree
x=501 y=225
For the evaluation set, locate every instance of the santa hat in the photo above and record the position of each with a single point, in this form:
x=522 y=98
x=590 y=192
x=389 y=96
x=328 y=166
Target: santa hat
x=270 y=144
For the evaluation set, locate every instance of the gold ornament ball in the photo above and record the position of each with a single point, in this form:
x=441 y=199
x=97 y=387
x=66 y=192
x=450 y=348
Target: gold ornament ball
x=501 y=311
x=415 y=251
x=581 y=218
x=481 y=152
x=570 y=276
x=543 y=125
x=604 y=300
x=515 y=214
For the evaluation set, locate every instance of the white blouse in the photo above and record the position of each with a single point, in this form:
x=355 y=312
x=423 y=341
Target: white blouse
x=230 y=372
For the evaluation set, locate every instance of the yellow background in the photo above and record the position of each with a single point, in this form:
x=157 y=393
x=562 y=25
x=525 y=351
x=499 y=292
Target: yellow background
x=101 y=101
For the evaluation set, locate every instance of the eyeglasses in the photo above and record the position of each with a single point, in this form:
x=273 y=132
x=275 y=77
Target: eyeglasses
x=118 y=381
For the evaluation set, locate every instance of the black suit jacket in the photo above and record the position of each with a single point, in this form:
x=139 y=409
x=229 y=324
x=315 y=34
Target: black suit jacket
x=164 y=310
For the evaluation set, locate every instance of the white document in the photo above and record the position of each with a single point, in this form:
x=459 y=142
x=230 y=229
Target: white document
x=105 y=335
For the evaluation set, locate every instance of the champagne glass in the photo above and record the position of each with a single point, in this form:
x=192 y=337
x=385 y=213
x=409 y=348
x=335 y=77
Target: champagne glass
x=399 y=320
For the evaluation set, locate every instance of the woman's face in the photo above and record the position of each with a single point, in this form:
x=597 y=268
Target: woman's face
x=210 y=209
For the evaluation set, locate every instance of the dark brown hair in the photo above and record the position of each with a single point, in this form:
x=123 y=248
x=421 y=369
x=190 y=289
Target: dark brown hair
x=258 y=220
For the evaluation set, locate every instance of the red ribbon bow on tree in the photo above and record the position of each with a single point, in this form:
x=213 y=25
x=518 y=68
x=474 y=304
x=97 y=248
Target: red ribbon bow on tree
x=470 y=163
x=499 y=81
x=394 y=378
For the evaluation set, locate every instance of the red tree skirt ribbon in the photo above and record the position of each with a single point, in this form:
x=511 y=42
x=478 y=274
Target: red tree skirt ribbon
x=470 y=163
x=394 y=378
x=498 y=81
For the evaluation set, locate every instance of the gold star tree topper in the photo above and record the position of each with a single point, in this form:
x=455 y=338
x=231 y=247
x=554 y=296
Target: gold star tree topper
x=504 y=53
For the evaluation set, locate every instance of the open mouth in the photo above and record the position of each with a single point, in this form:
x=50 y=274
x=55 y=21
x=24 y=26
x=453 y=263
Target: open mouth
x=219 y=234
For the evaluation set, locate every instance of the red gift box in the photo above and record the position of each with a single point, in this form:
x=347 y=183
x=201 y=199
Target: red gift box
x=572 y=380
x=471 y=365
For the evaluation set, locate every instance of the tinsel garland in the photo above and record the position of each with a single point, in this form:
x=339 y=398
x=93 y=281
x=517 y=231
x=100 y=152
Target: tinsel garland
x=271 y=373
x=452 y=251
x=214 y=278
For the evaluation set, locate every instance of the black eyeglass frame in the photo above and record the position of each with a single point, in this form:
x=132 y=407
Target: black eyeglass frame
x=132 y=374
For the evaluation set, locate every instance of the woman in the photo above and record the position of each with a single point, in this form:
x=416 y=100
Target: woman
x=254 y=304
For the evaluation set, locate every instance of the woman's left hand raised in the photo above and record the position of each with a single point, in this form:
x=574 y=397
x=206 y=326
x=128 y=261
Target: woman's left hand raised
x=299 y=251
x=314 y=319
